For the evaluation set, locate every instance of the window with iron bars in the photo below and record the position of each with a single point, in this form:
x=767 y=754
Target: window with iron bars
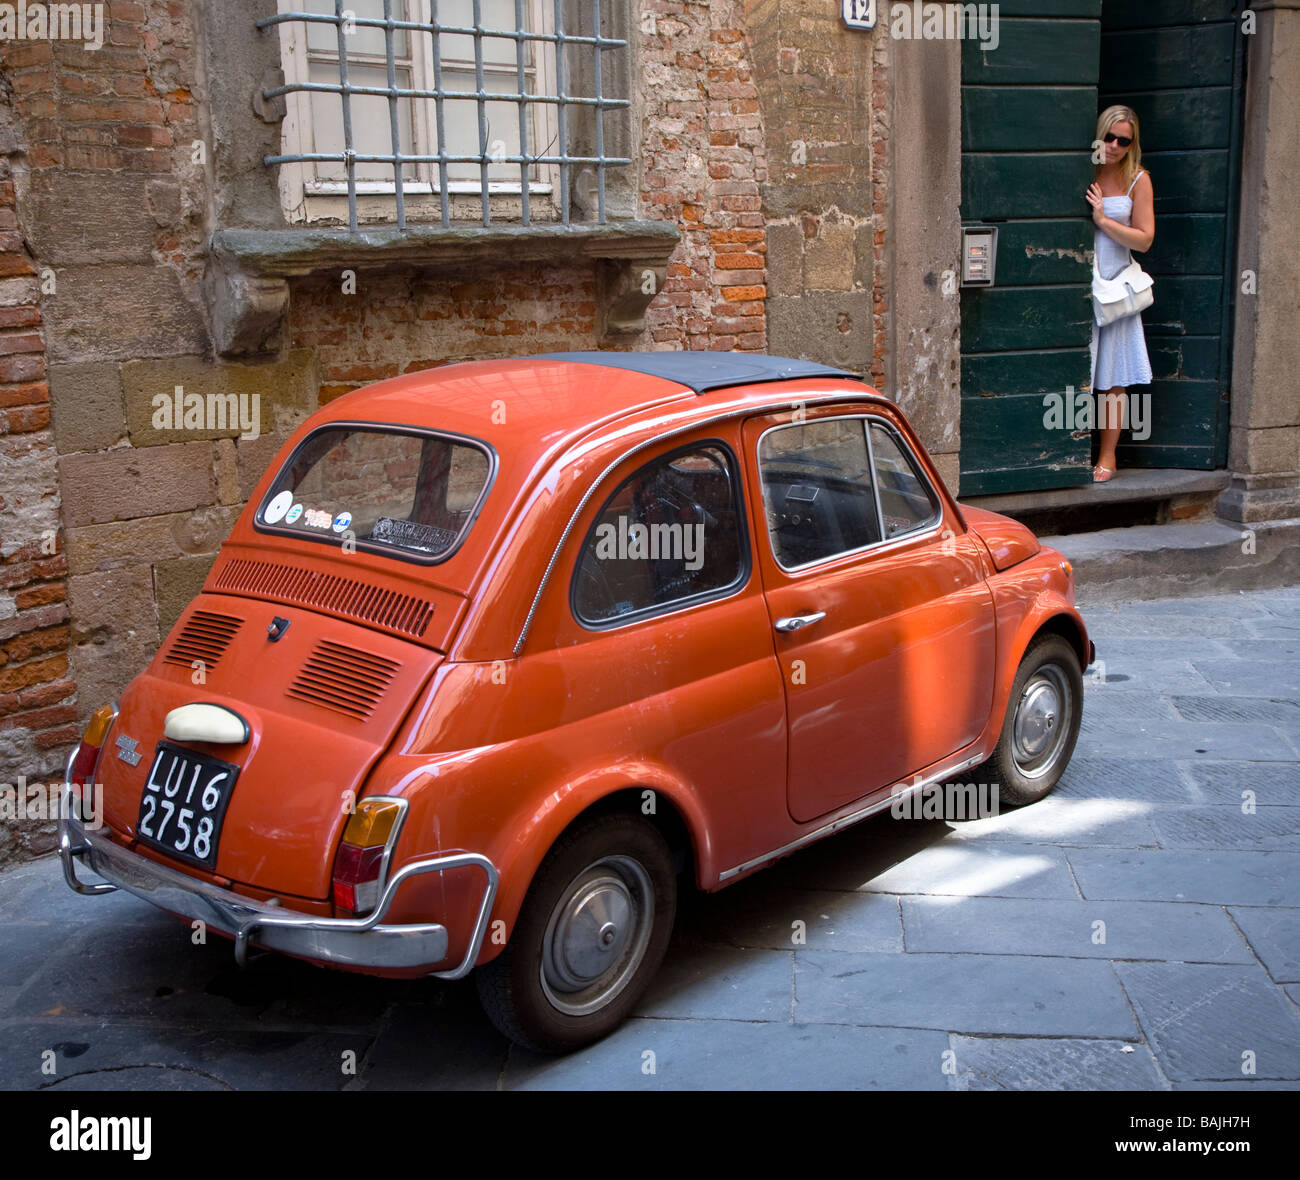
x=440 y=110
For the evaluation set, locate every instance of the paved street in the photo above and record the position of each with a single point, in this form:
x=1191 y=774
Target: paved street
x=1140 y=929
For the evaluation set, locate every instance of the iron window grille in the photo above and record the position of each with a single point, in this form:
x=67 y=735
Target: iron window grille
x=557 y=40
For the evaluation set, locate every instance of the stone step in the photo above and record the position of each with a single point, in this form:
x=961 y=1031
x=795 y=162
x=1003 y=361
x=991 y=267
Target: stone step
x=1199 y=557
x=1133 y=497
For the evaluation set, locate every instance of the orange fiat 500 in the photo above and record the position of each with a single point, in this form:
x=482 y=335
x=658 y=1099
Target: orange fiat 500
x=503 y=654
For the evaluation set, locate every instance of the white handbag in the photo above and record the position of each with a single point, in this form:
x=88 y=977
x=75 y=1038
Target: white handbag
x=1128 y=293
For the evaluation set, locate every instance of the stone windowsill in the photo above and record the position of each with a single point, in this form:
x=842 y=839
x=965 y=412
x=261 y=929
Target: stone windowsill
x=283 y=253
x=248 y=288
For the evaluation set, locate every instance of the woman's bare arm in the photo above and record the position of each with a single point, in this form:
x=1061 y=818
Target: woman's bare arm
x=1142 y=232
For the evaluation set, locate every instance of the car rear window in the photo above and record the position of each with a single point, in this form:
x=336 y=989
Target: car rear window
x=408 y=493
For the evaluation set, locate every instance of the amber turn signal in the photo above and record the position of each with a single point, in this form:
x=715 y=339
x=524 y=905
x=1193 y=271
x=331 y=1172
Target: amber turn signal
x=372 y=822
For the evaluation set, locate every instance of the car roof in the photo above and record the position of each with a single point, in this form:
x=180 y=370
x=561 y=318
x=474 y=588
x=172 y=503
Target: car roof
x=703 y=371
x=534 y=405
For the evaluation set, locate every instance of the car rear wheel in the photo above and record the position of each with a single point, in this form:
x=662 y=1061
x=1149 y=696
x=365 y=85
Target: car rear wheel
x=1042 y=722
x=590 y=937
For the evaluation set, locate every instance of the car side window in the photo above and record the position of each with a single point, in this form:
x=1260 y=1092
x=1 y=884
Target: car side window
x=817 y=490
x=670 y=533
x=907 y=501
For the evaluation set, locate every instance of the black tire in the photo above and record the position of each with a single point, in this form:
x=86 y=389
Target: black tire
x=1047 y=696
x=610 y=884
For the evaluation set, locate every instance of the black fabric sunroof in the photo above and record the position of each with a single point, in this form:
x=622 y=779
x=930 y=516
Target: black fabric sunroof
x=702 y=371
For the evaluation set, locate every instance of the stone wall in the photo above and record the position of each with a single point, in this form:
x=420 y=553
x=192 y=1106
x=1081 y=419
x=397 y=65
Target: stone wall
x=37 y=692
x=125 y=160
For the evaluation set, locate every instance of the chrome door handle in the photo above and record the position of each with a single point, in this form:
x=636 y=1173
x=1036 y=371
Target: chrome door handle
x=798 y=622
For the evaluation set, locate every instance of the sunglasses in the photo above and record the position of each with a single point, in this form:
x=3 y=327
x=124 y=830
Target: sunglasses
x=1122 y=140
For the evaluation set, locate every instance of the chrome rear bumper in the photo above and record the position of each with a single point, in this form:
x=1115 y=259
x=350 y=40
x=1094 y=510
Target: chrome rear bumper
x=358 y=942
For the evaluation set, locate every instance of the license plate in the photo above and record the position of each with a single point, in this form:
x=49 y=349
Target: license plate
x=184 y=804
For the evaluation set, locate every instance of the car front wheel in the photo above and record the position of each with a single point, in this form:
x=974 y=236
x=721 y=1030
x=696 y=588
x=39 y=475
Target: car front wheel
x=1042 y=722
x=590 y=936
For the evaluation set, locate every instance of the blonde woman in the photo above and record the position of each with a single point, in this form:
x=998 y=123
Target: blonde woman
x=1123 y=210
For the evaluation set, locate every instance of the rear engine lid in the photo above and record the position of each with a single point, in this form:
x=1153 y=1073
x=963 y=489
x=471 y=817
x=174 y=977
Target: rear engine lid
x=322 y=702
x=410 y=607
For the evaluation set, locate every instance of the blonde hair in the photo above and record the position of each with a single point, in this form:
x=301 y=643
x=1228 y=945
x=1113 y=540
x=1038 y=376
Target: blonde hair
x=1132 y=162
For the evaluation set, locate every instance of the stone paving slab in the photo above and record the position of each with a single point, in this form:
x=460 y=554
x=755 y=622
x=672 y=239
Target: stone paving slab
x=722 y=983
x=154 y=972
x=128 y=1055
x=1116 y=701
x=1118 y=670
x=1243 y=1084
x=1218 y=878
x=1274 y=935
x=443 y=1044
x=1155 y=930
x=1008 y=994
x=1183 y=739
x=1244 y=710
x=726 y=1055
x=1124 y=653
x=1274 y=783
x=1252 y=678
x=1268 y=649
x=755 y=913
x=1231 y=607
x=1036 y=1063
x=36 y=893
x=911 y=865
x=1265 y=829
x=1056 y=820
x=1147 y=781
x=1201 y=1019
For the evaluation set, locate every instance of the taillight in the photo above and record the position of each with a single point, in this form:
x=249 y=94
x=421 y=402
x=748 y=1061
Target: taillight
x=92 y=742
x=359 y=863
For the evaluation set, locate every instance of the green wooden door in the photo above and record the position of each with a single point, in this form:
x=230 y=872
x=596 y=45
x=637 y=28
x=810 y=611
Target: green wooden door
x=1178 y=64
x=1029 y=112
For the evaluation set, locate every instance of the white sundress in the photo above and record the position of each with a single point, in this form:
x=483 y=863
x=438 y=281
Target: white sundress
x=1119 y=350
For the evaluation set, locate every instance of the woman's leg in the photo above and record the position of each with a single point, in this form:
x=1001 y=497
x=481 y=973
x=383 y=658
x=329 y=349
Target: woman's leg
x=1111 y=406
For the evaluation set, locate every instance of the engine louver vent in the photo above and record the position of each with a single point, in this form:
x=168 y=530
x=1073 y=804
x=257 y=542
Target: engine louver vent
x=344 y=679
x=406 y=614
x=204 y=637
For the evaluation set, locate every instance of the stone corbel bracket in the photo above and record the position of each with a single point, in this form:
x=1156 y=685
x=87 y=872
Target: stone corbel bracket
x=249 y=269
x=246 y=310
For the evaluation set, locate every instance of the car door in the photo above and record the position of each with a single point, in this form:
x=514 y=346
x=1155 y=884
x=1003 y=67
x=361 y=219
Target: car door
x=881 y=617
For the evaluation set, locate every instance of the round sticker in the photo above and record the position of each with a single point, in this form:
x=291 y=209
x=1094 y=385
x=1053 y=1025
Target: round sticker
x=341 y=521
x=294 y=513
x=276 y=509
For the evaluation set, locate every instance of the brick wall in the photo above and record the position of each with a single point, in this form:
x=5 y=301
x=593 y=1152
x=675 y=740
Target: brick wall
x=37 y=695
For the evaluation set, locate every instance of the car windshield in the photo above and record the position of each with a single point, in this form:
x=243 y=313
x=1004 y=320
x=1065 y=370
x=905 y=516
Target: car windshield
x=385 y=489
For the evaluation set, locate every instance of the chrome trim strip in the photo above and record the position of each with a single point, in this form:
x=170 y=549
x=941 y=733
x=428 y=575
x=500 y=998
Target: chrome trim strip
x=67 y=851
x=848 y=820
x=699 y=424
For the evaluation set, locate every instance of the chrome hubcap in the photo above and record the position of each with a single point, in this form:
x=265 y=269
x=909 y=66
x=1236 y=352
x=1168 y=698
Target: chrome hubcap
x=597 y=935
x=1042 y=721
